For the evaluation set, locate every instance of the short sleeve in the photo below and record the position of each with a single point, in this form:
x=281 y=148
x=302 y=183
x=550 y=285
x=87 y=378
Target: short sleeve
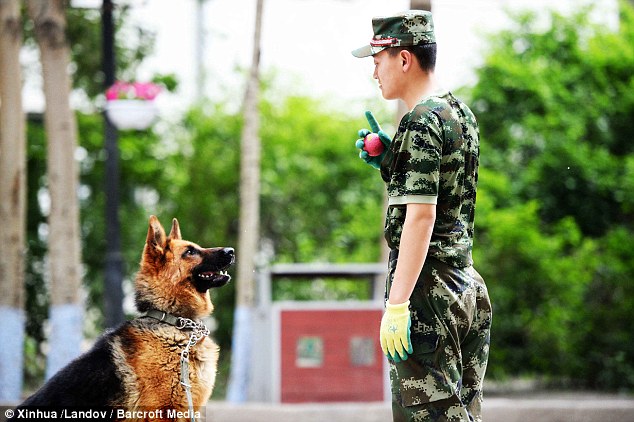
x=415 y=169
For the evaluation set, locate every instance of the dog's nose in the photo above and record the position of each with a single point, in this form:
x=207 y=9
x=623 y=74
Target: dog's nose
x=231 y=253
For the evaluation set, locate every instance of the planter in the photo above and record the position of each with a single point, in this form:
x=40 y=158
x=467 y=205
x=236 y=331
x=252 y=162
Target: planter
x=131 y=114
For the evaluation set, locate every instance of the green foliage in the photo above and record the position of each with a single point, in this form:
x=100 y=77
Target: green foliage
x=37 y=298
x=537 y=275
x=319 y=202
x=609 y=309
x=554 y=108
x=315 y=191
x=554 y=227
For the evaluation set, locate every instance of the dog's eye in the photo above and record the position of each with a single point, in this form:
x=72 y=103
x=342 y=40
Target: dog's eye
x=190 y=252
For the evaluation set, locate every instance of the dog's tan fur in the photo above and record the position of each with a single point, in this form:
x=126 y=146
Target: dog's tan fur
x=149 y=366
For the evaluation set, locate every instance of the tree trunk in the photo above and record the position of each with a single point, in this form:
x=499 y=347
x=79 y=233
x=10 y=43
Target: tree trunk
x=12 y=202
x=66 y=312
x=421 y=5
x=249 y=234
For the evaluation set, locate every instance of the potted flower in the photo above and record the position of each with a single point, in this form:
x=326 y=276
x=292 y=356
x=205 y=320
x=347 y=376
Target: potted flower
x=130 y=105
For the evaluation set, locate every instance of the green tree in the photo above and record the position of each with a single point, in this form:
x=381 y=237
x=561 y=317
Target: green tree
x=319 y=202
x=537 y=275
x=554 y=231
x=555 y=111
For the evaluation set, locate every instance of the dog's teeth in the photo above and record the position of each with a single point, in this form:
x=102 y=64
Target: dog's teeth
x=209 y=276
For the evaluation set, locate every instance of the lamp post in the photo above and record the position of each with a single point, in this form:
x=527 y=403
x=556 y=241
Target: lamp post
x=113 y=272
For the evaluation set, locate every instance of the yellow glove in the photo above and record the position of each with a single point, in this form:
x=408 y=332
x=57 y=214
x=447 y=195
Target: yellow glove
x=395 y=333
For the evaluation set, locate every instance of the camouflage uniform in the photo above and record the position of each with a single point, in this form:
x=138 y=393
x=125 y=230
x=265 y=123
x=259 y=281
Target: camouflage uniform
x=434 y=159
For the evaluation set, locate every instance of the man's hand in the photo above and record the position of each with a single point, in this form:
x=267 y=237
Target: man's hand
x=385 y=139
x=395 y=332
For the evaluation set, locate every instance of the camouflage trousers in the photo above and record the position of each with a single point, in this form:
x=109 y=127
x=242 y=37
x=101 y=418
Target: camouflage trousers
x=450 y=332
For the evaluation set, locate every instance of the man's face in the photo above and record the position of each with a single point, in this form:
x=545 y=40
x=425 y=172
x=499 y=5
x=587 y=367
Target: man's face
x=388 y=71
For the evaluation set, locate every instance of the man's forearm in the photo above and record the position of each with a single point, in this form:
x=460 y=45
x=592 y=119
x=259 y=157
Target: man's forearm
x=417 y=231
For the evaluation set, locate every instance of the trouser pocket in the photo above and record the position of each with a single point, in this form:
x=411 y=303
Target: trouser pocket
x=421 y=378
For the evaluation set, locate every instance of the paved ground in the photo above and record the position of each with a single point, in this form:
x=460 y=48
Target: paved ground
x=543 y=407
x=564 y=407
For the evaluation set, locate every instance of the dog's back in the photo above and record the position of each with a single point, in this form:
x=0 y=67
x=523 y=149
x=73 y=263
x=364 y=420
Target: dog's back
x=90 y=381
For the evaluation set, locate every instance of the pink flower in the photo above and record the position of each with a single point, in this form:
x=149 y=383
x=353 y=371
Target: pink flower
x=146 y=91
x=132 y=91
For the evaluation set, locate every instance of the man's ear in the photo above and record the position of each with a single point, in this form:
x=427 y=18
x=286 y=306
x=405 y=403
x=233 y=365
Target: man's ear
x=407 y=60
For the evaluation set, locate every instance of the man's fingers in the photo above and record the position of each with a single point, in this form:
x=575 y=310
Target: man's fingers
x=391 y=349
x=408 y=346
x=404 y=349
x=363 y=133
x=374 y=125
x=384 y=138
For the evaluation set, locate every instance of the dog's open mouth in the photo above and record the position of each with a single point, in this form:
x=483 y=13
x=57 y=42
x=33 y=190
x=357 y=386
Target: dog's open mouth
x=208 y=280
x=216 y=279
x=205 y=280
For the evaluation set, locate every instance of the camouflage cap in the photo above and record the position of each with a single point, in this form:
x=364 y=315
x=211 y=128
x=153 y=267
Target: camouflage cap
x=414 y=27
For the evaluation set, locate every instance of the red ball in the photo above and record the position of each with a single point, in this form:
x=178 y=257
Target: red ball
x=373 y=145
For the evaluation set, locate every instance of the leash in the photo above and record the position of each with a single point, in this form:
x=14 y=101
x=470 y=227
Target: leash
x=199 y=332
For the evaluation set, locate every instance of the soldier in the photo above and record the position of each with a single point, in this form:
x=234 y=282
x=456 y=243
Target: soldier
x=436 y=327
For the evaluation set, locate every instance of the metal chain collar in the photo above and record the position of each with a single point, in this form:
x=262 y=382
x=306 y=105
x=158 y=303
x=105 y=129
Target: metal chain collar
x=199 y=332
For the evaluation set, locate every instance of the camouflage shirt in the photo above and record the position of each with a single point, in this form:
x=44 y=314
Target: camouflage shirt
x=433 y=159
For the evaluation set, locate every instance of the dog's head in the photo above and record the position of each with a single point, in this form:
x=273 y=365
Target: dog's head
x=175 y=274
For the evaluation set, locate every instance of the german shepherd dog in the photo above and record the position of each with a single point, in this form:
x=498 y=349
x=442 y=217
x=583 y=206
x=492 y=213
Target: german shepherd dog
x=135 y=371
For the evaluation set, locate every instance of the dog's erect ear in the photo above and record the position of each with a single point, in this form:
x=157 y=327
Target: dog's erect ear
x=155 y=235
x=175 y=233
